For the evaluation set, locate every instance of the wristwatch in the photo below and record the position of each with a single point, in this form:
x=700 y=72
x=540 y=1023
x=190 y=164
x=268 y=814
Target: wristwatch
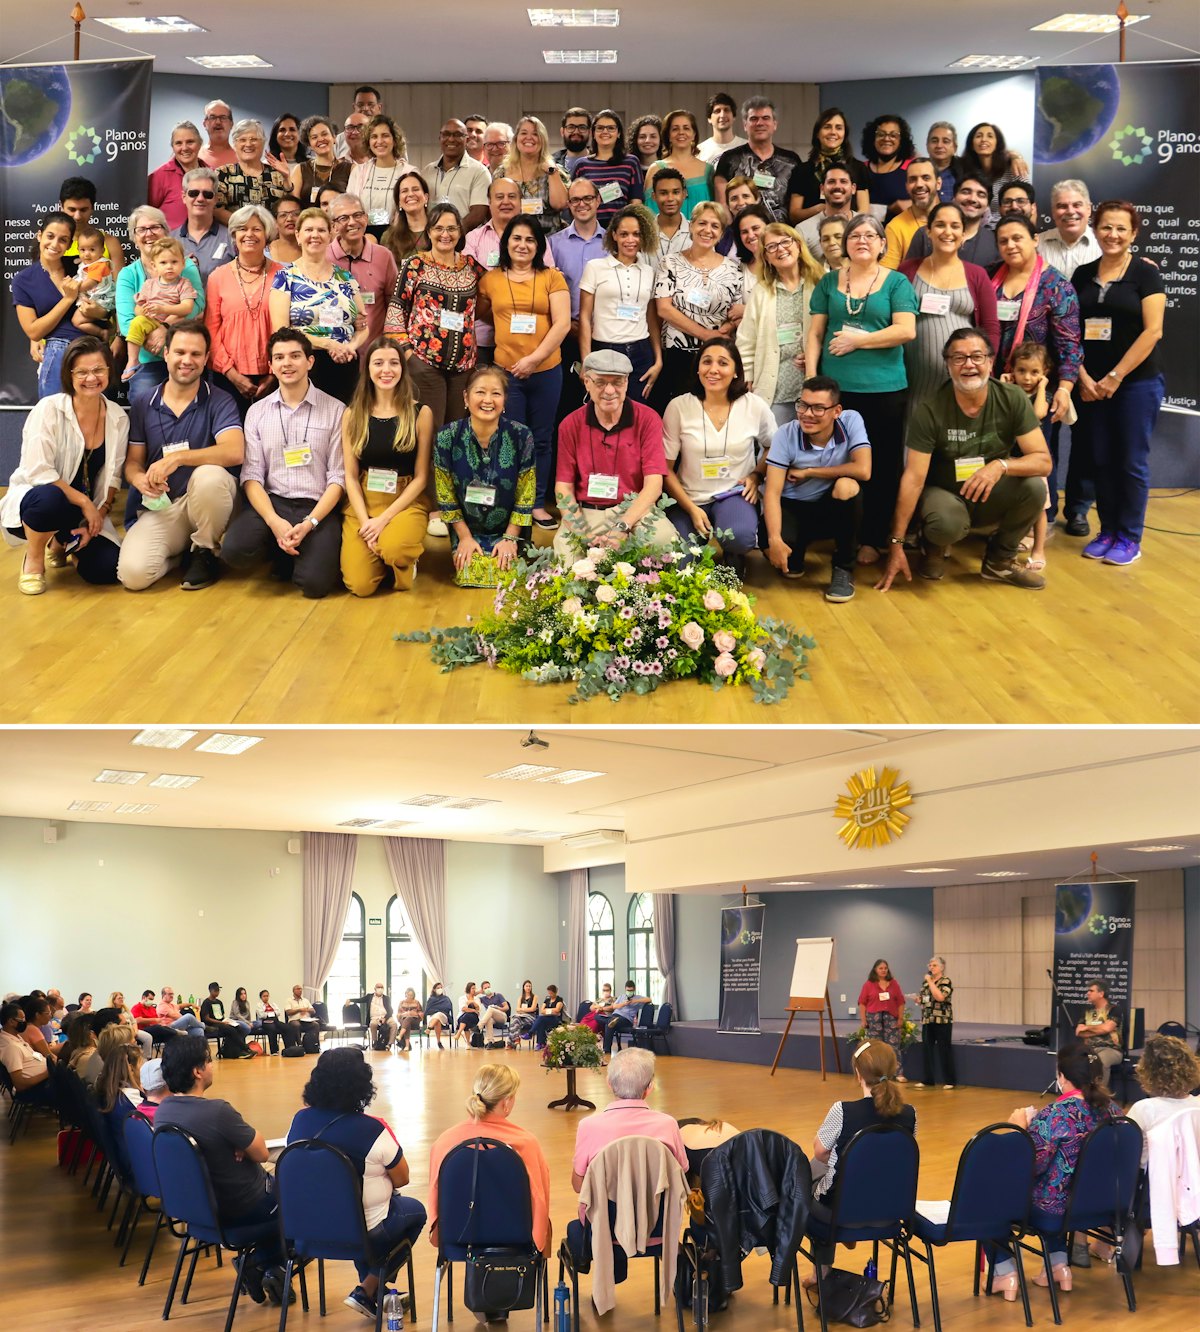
x=895 y=541
x=621 y=525
x=316 y=522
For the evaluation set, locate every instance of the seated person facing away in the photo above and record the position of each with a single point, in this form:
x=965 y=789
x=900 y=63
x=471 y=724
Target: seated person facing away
x=1168 y=1073
x=380 y=1022
x=336 y=1097
x=494 y=1010
x=624 y=1015
x=166 y=297
x=815 y=468
x=293 y=476
x=154 y=1089
x=1102 y=1028
x=30 y=1071
x=609 y=451
x=962 y=471
x=550 y=1016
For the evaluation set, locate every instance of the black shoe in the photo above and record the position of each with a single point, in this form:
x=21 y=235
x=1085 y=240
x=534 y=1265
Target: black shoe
x=202 y=570
x=1077 y=525
x=252 y=1282
x=272 y=1284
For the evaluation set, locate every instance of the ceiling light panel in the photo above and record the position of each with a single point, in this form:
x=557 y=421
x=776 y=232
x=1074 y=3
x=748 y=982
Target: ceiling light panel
x=580 y=57
x=424 y=801
x=174 y=781
x=220 y=742
x=163 y=25
x=1003 y=874
x=394 y=823
x=569 y=776
x=521 y=772
x=793 y=883
x=861 y=885
x=470 y=802
x=87 y=806
x=358 y=823
x=1086 y=23
x=929 y=869
x=991 y=62
x=163 y=737
x=574 y=18
x=231 y=62
x=118 y=777
x=135 y=808
x=1150 y=850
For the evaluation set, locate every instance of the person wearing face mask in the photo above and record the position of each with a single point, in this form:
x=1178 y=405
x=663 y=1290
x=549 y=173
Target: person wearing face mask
x=624 y=1015
x=839 y=190
x=601 y=1010
x=979 y=240
x=494 y=1011
x=380 y=1022
x=439 y=1015
x=29 y=1070
x=409 y=1016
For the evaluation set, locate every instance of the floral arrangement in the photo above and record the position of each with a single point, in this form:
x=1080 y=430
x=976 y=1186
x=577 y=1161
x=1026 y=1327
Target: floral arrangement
x=625 y=621
x=572 y=1046
x=910 y=1033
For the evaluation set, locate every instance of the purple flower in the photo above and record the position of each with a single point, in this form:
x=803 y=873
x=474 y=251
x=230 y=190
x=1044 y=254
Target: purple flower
x=663 y=642
x=671 y=654
x=626 y=612
x=656 y=668
x=629 y=644
x=635 y=633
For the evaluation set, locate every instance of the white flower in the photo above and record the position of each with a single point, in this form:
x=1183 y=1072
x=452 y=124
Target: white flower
x=624 y=568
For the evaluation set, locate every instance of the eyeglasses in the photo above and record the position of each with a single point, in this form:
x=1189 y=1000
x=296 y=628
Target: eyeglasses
x=969 y=358
x=150 y=229
x=81 y=375
x=887 y=134
x=218 y=120
x=583 y=198
x=201 y=194
x=779 y=247
x=812 y=409
x=605 y=129
x=357 y=216
x=290 y=215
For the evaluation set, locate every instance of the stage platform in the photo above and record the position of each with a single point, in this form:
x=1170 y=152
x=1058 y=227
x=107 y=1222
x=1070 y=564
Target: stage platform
x=984 y=1055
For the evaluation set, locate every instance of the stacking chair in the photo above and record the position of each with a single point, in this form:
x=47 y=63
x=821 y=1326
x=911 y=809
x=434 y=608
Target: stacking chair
x=645 y=1035
x=874 y=1197
x=139 y=1146
x=644 y=1019
x=321 y=1216
x=21 y=1106
x=353 y=1023
x=484 y=1201
x=993 y=1194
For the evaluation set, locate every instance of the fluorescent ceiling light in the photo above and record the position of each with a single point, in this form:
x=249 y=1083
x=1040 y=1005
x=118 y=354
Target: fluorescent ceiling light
x=152 y=27
x=580 y=57
x=991 y=62
x=134 y=808
x=231 y=62
x=222 y=743
x=163 y=737
x=118 y=777
x=574 y=18
x=531 y=835
x=469 y=802
x=521 y=772
x=174 y=781
x=358 y=823
x=571 y=775
x=1002 y=874
x=1086 y=23
x=860 y=885
x=87 y=806
x=793 y=883
x=1150 y=849
x=929 y=869
x=424 y=801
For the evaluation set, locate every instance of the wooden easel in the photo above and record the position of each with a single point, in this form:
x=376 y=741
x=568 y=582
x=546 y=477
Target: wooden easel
x=820 y=1007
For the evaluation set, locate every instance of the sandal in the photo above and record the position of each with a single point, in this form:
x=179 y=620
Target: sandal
x=1035 y=563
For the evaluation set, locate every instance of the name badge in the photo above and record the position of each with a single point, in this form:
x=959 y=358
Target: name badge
x=316 y=190
x=219 y=252
x=522 y=323
x=382 y=480
x=478 y=493
x=885 y=995
x=181 y=446
x=1097 y=330
x=698 y=297
x=601 y=487
x=788 y=335
x=1007 y=311
x=298 y=456
x=451 y=320
x=379 y=217
x=368 y=297
x=764 y=180
x=492 y=260
x=935 y=303
x=629 y=311
x=532 y=206
x=610 y=191
x=714 y=469
x=329 y=315
x=964 y=468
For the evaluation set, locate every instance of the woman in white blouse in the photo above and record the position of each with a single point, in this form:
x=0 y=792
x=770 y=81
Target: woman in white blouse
x=616 y=299
x=716 y=439
x=375 y=179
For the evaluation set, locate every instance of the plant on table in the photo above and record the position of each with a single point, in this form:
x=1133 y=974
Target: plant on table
x=572 y=1046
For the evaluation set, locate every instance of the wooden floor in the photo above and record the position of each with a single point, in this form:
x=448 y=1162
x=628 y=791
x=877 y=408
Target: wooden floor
x=1099 y=645
x=61 y=1270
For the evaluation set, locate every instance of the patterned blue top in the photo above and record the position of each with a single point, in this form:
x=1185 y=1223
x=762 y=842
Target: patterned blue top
x=326 y=309
x=1058 y=1132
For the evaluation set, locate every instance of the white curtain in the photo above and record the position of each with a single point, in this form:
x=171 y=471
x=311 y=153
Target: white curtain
x=664 y=945
x=328 y=871
x=577 y=942
x=418 y=866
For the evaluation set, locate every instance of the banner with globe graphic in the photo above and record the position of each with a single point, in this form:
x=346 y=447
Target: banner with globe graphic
x=1132 y=132
x=741 y=967
x=1093 y=940
x=87 y=118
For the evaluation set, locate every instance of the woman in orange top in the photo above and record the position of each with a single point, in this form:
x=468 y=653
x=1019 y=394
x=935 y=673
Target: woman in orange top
x=881 y=1000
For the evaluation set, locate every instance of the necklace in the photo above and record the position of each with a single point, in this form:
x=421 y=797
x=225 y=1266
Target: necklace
x=862 y=304
x=260 y=282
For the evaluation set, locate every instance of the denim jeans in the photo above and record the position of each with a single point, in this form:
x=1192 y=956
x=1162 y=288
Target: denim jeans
x=534 y=402
x=50 y=370
x=1118 y=430
x=1079 y=492
x=45 y=508
x=405 y=1221
x=730 y=513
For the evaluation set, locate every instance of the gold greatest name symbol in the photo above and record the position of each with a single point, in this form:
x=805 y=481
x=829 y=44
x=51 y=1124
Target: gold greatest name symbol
x=872 y=808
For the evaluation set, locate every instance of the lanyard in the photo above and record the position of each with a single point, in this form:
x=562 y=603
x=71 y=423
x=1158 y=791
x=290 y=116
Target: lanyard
x=724 y=435
x=512 y=296
x=442 y=175
x=283 y=424
x=627 y=297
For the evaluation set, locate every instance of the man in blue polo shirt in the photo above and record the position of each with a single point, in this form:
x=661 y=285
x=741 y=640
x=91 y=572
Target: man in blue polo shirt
x=183 y=439
x=815 y=467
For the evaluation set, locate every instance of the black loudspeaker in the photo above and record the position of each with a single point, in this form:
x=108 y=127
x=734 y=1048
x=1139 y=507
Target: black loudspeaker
x=1036 y=1036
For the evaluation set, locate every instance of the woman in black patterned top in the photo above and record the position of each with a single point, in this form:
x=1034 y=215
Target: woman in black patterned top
x=248 y=180
x=937 y=1024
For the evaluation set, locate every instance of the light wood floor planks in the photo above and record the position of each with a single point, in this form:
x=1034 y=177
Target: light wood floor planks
x=61 y=1271
x=1099 y=645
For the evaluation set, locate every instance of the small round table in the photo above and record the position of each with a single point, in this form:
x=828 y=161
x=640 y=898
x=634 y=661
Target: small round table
x=571 y=1101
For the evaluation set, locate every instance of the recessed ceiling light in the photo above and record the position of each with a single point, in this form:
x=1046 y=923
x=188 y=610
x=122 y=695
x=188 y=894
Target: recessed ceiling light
x=358 y=823
x=580 y=57
x=87 y=806
x=163 y=737
x=574 y=18
x=793 y=883
x=531 y=835
x=424 y=801
x=991 y=62
x=470 y=802
x=1086 y=23
x=152 y=27
x=929 y=869
x=520 y=772
x=1003 y=874
x=134 y=808
x=860 y=885
x=174 y=781
x=222 y=743
x=118 y=777
x=231 y=62
x=571 y=775
x=1150 y=849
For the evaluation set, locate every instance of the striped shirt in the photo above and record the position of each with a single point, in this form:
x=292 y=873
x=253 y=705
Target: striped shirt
x=295 y=452
x=625 y=176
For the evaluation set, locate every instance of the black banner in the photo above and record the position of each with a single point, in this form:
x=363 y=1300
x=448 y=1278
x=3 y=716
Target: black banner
x=741 y=964
x=1093 y=940
x=89 y=118
x=1133 y=132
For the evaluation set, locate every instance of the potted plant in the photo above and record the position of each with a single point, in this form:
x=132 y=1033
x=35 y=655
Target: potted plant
x=573 y=1046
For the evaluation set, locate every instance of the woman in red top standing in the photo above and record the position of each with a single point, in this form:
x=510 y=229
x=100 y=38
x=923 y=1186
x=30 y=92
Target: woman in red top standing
x=881 y=1000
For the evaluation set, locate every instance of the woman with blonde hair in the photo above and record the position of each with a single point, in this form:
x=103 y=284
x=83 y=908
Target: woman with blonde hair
x=773 y=330
x=489 y=1111
x=542 y=182
x=144 y=1039
x=116 y=1036
x=680 y=140
x=387 y=442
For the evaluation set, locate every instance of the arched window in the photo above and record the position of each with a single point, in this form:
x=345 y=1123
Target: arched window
x=404 y=966
x=643 y=964
x=601 y=946
x=348 y=976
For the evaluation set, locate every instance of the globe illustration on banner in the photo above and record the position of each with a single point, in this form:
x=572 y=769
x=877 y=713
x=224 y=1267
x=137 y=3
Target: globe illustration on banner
x=1075 y=108
x=35 y=106
x=731 y=927
x=1073 y=905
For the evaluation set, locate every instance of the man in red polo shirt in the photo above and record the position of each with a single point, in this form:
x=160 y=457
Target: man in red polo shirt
x=372 y=266
x=609 y=450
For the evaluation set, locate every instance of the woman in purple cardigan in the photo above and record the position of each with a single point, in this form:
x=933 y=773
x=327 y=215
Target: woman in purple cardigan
x=950 y=295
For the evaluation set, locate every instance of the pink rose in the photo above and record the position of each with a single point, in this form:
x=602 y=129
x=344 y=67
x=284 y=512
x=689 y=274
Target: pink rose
x=725 y=665
x=605 y=593
x=692 y=635
x=583 y=569
x=572 y=606
x=713 y=600
x=757 y=658
x=724 y=641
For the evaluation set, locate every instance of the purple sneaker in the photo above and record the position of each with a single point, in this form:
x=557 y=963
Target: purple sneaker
x=1099 y=548
x=1123 y=551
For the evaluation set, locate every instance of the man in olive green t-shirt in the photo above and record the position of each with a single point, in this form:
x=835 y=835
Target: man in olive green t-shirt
x=962 y=472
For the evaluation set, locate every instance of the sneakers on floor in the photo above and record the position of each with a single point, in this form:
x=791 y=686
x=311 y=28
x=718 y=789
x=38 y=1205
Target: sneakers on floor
x=202 y=570
x=841 y=586
x=1123 y=551
x=1016 y=575
x=1098 y=548
x=252 y=1282
x=359 y=1300
x=932 y=563
x=272 y=1284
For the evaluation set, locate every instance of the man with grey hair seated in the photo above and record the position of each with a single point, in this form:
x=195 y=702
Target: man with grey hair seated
x=631 y=1080
x=205 y=240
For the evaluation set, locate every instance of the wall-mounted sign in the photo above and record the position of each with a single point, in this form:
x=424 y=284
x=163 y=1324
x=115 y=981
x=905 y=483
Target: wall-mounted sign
x=375 y=920
x=872 y=810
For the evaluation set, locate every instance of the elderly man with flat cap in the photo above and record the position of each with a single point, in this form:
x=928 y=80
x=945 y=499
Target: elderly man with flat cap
x=608 y=450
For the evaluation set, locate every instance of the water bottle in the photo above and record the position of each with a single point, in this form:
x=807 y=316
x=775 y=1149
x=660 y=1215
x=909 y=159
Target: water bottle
x=870 y=1270
x=562 y=1308
x=393 y=1311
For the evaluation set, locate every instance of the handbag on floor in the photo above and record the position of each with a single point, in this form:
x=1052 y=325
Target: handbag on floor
x=858 y=1300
